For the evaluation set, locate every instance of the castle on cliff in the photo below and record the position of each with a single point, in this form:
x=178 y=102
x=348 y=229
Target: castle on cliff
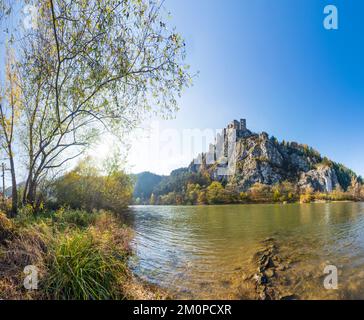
x=224 y=144
x=225 y=140
x=238 y=127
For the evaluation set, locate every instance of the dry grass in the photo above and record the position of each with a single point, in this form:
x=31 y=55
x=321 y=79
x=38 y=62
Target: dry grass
x=78 y=255
x=21 y=248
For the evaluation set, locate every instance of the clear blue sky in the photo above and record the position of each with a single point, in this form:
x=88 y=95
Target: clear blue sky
x=273 y=63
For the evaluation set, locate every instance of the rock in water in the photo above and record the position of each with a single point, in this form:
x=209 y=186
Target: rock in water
x=269 y=281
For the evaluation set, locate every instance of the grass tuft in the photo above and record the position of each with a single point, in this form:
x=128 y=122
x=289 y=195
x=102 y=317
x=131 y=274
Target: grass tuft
x=80 y=269
x=77 y=218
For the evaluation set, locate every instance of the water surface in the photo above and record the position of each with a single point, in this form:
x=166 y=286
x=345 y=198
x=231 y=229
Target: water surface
x=207 y=252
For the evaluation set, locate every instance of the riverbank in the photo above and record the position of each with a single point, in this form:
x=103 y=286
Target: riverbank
x=76 y=255
x=251 y=203
x=286 y=192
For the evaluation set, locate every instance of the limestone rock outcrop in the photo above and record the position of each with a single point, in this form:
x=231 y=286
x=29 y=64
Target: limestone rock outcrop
x=258 y=158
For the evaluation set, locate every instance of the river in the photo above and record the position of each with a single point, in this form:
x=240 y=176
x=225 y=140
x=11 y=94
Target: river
x=213 y=252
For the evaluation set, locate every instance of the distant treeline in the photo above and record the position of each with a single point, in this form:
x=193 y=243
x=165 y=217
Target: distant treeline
x=185 y=188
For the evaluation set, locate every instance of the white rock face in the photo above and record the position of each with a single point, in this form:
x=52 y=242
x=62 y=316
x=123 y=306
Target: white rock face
x=322 y=179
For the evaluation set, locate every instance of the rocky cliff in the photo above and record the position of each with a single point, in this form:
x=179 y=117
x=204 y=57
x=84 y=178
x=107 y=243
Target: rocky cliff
x=258 y=158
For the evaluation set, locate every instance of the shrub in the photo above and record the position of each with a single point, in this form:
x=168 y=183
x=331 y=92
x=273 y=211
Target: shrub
x=215 y=193
x=260 y=193
x=86 y=188
x=201 y=198
x=244 y=197
x=306 y=198
x=79 y=218
x=79 y=269
x=5 y=205
x=6 y=228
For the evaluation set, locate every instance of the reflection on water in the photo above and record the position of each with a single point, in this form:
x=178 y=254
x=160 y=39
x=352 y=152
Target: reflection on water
x=207 y=252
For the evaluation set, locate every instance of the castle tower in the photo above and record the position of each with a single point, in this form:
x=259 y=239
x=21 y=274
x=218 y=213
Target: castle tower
x=243 y=124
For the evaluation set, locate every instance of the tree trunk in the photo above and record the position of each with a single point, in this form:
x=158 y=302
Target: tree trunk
x=25 y=191
x=31 y=194
x=14 y=190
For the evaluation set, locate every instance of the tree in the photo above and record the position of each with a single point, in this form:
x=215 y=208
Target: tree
x=362 y=193
x=276 y=193
x=192 y=193
x=244 y=197
x=152 y=199
x=284 y=191
x=10 y=110
x=215 y=193
x=117 y=191
x=355 y=188
x=91 y=67
x=86 y=187
x=307 y=196
x=260 y=193
x=202 y=199
x=178 y=199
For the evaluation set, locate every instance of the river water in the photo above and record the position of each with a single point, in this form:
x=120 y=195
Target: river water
x=209 y=252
